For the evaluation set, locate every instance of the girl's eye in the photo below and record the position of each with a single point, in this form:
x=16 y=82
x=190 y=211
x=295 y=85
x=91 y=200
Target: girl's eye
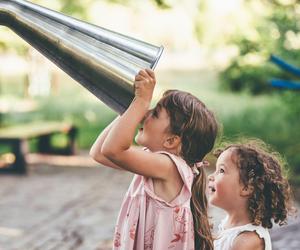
x=154 y=113
x=221 y=171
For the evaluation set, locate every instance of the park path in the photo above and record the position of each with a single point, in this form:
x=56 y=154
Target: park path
x=75 y=208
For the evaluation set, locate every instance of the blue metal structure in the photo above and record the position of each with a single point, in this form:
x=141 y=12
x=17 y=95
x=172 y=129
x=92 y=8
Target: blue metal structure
x=286 y=84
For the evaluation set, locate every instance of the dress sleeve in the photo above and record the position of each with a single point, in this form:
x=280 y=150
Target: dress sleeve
x=262 y=233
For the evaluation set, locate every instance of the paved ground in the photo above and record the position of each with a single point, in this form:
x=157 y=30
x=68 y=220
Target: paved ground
x=75 y=208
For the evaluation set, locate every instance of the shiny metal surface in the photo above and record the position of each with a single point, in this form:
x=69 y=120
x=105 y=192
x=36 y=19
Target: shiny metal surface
x=103 y=61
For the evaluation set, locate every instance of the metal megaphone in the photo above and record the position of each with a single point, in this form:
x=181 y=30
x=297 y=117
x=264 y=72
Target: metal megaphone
x=103 y=61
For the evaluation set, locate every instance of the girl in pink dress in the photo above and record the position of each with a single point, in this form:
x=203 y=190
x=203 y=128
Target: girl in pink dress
x=168 y=184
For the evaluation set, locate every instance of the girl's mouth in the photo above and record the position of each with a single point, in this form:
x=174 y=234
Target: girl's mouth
x=140 y=127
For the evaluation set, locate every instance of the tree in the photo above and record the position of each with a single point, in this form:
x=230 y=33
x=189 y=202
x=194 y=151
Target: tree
x=276 y=33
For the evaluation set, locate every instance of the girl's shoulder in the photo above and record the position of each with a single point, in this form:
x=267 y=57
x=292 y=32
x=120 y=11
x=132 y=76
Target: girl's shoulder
x=227 y=237
x=249 y=240
x=186 y=176
x=183 y=168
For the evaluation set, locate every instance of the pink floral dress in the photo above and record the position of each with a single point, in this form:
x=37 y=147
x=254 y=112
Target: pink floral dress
x=148 y=222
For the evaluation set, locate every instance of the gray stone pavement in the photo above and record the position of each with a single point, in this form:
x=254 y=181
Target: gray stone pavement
x=75 y=208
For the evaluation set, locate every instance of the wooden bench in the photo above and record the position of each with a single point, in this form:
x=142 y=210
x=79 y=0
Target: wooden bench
x=16 y=138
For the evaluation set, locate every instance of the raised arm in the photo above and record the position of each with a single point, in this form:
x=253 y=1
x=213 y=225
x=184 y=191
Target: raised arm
x=117 y=146
x=95 y=151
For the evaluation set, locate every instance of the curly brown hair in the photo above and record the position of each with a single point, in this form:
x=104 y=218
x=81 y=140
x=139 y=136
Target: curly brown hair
x=262 y=169
x=197 y=127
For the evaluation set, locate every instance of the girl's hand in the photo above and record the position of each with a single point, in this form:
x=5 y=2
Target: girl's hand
x=144 y=85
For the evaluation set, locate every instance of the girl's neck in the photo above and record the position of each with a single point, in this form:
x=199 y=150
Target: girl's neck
x=238 y=217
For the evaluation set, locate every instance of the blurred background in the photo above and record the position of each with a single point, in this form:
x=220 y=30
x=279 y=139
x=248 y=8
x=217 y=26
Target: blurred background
x=218 y=51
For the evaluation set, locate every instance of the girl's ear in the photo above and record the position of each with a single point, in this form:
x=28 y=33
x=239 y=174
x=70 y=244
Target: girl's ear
x=172 y=142
x=246 y=191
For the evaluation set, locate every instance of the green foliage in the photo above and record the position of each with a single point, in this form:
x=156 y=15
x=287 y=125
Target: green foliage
x=162 y=4
x=276 y=34
x=75 y=8
x=90 y=117
x=3 y=46
x=271 y=123
x=253 y=79
x=291 y=100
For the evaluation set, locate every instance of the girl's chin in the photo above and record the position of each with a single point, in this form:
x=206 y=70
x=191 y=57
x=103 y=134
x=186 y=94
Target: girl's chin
x=212 y=203
x=215 y=203
x=212 y=200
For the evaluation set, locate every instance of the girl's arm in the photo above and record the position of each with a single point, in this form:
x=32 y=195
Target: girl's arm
x=117 y=145
x=95 y=151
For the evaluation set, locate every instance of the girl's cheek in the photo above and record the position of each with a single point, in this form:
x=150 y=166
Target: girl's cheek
x=220 y=188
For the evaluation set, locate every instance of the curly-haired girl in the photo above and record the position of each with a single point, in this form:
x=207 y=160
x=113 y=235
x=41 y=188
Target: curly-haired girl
x=250 y=186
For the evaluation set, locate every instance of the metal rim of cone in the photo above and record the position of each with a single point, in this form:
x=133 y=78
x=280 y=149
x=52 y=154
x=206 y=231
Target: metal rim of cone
x=159 y=53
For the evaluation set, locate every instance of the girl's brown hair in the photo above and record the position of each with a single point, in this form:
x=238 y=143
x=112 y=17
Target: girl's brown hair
x=197 y=128
x=261 y=169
